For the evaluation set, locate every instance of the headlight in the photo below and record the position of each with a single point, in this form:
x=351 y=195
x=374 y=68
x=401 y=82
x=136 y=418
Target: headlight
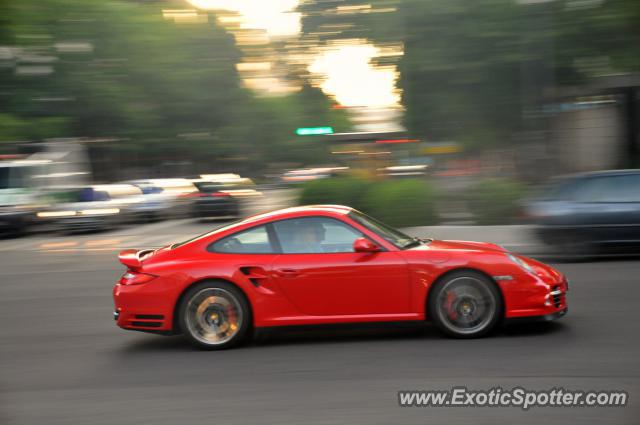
x=100 y=211
x=53 y=214
x=521 y=263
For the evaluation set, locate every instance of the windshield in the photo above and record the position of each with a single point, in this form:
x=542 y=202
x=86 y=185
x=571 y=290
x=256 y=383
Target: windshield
x=4 y=177
x=386 y=232
x=148 y=189
x=209 y=187
x=11 y=177
x=556 y=189
x=86 y=194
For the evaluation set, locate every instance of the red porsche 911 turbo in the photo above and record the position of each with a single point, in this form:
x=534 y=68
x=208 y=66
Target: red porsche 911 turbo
x=327 y=264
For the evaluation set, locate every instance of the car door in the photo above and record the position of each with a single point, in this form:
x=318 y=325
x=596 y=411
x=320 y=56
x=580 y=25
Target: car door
x=325 y=277
x=609 y=208
x=619 y=216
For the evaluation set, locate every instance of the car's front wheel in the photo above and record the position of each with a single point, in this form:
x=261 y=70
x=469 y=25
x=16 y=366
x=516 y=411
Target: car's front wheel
x=465 y=304
x=214 y=315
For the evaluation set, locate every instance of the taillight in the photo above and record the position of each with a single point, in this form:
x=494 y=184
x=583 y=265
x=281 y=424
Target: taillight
x=226 y=195
x=135 y=278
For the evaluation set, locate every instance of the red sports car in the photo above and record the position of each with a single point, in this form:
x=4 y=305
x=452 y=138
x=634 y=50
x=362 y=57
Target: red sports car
x=327 y=264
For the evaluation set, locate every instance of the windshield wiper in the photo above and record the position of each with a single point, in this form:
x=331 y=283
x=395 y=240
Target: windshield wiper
x=415 y=241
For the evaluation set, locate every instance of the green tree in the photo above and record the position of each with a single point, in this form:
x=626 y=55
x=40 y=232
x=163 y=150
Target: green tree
x=481 y=72
x=461 y=69
x=167 y=90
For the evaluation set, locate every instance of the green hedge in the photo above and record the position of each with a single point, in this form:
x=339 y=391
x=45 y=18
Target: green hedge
x=495 y=201
x=410 y=202
x=338 y=191
x=402 y=203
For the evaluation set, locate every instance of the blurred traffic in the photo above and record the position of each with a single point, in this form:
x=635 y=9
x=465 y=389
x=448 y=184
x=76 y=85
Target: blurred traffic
x=51 y=193
x=35 y=201
x=422 y=113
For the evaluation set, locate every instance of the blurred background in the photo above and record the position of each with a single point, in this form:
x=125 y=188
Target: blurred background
x=139 y=123
x=423 y=112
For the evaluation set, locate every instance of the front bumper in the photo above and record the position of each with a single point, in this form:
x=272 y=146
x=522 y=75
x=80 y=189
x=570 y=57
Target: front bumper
x=534 y=296
x=13 y=220
x=544 y=318
x=79 y=224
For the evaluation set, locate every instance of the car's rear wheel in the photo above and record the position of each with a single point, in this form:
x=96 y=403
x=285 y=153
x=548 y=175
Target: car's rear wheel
x=214 y=315
x=465 y=304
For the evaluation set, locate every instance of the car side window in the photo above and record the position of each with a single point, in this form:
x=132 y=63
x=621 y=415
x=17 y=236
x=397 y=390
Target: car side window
x=251 y=241
x=622 y=188
x=315 y=235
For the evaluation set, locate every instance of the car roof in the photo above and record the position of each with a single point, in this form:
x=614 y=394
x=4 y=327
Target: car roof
x=299 y=211
x=604 y=173
x=23 y=163
x=257 y=219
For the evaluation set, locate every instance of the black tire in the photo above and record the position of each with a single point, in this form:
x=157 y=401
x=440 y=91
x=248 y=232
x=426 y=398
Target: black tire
x=214 y=315
x=465 y=304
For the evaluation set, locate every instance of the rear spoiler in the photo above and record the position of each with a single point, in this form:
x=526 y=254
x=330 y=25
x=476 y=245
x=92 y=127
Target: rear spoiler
x=132 y=258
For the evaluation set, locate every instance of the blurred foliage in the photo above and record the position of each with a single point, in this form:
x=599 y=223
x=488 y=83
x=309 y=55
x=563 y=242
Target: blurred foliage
x=119 y=69
x=478 y=72
x=594 y=38
x=495 y=201
x=460 y=70
x=13 y=127
x=337 y=191
x=276 y=119
x=407 y=202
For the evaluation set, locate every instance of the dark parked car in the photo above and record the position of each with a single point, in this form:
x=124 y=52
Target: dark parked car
x=212 y=201
x=588 y=213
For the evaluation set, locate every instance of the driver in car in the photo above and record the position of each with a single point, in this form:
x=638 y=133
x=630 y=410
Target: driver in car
x=308 y=237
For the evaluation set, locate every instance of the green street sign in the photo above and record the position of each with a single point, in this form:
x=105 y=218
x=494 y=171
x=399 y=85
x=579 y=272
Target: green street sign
x=313 y=131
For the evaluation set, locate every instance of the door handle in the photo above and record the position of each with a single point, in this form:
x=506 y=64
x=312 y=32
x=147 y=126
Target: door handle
x=288 y=272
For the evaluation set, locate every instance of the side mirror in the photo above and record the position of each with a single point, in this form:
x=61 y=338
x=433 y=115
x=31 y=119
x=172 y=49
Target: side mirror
x=365 y=245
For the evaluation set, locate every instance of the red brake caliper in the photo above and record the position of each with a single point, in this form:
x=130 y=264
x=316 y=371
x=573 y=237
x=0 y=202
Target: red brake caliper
x=231 y=314
x=453 y=315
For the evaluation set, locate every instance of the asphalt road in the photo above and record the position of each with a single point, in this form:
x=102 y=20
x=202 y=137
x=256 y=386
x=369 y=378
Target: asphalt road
x=63 y=360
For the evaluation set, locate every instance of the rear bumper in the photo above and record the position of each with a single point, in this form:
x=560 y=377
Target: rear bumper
x=145 y=210
x=144 y=307
x=216 y=208
x=146 y=215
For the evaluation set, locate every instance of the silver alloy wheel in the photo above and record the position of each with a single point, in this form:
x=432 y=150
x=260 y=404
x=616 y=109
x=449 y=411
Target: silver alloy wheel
x=465 y=305
x=213 y=316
